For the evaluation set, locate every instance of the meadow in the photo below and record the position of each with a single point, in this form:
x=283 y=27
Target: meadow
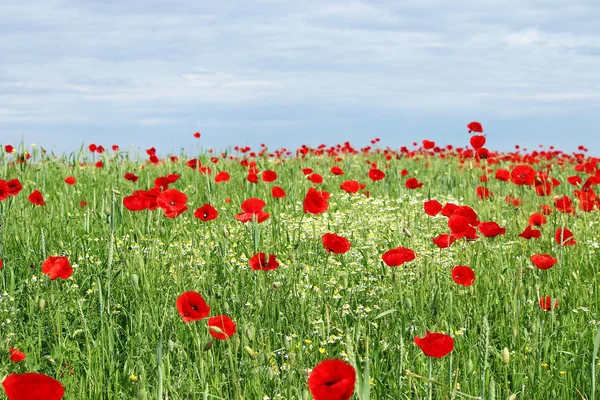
x=110 y=322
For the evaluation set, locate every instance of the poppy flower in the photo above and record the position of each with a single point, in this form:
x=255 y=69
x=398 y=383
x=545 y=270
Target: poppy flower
x=307 y=171
x=477 y=141
x=259 y=262
x=131 y=177
x=463 y=275
x=574 y=180
x=268 y=176
x=36 y=198
x=192 y=307
x=444 y=240
x=1 y=263
x=475 y=127
x=413 y=183
x=543 y=261
x=222 y=176
x=546 y=303
x=57 y=267
x=376 y=174
x=92 y=147
x=197 y=135
x=3 y=190
x=277 y=192
x=351 y=186
x=253 y=209
x=8 y=148
x=502 y=174
x=115 y=147
x=317 y=179
x=432 y=207
x=459 y=225
x=468 y=213
x=537 y=219
x=221 y=327
x=483 y=193
x=99 y=164
x=546 y=209
x=31 y=386
x=564 y=237
x=398 y=256
x=335 y=243
x=523 y=175
x=332 y=379
x=515 y=202
x=14 y=187
x=83 y=203
x=252 y=178
x=564 y=204
x=16 y=355
x=530 y=233
x=491 y=229
x=435 y=344
x=206 y=213
x=138 y=201
x=173 y=202
x=337 y=170
x=315 y=201
x=428 y=144
x=69 y=180
x=448 y=209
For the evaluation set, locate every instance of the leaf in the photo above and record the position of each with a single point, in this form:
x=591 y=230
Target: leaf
x=383 y=314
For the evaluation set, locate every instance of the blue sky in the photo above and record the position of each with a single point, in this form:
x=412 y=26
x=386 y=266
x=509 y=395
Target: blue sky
x=151 y=73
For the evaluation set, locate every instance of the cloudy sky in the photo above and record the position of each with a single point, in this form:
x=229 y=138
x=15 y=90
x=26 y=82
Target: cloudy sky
x=285 y=73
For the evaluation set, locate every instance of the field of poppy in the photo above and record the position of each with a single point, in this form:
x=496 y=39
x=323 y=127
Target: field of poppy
x=329 y=273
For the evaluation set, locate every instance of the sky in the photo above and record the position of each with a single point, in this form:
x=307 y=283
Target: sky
x=287 y=73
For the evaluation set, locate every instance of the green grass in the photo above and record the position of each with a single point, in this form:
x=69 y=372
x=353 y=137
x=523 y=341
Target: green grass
x=112 y=330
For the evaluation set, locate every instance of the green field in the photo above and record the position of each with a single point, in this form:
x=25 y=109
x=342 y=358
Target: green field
x=112 y=329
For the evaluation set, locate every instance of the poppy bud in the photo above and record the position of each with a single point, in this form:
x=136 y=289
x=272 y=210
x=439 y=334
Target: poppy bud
x=171 y=345
x=408 y=303
x=305 y=395
x=226 y=307
x=250 y=332
x=512 y=396
x=208 y=345
x=259 y=303
x=275 y=285
x=216 y=330
x=61 y=245
x=42 y=304
x=407 y=232
x=142 y=394
x=470 y=366
x=77 y=332
x=135 y=280
x=250 y=352
x=505 y=355
x=270 y=373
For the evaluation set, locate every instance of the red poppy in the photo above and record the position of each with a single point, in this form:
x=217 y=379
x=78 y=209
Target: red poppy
x=546 y=303
x=543 y=261
x=315 y=201
x=546 y=209
x=435 y=344
x=477 y=141
x=36 y=198
x=69 y=180
x=192 y=307
x=173 y=202
x=491 y=229
x=57 y=267
x=513 y=200
x=253 y=209
x=574 y=180
x=8 y=148
x=206 y=213
x=337 y=170
x=448 y=209
x=564 y=237
x=277 y=192
x=564 y=204
x=475 y=127
x=315 y=178
x=335 y=243
x=99 y=164
x=460 y=226
x=428 y=144
x=92 y=147
x=259 y=262
x=222 y=176
x=398 y=256
x=197 y=135
x=32 y=386
x=523 y=175
x=483 y=193
x=115 y=147
x=131 y=177
x=221 y=327
x=413 y=183
x=351 y=186
x=332 y=379
x=444 y=240
x=537 y=219
x=502 y=174
x=432 y=207
x=269 y=176
x=16 y=355
x=3 y=190
x=376 y=174
x=138 y=201
x=14 y=187
x=83 y=203
x=307 y=171
x=530 y=233
x=463 y=275
x=1 y=263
